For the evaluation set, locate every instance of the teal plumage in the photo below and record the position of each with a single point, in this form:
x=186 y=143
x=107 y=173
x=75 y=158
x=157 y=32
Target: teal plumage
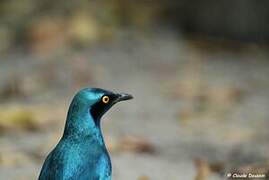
x=81 y=153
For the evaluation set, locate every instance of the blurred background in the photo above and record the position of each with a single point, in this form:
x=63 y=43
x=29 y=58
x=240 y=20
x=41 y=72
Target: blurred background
x=198 y=71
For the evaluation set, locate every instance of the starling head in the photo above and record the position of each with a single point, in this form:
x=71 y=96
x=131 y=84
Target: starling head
x=89 y=105
x=103 y=100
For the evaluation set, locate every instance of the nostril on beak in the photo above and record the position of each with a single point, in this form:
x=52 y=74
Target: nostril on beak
x=124 y=97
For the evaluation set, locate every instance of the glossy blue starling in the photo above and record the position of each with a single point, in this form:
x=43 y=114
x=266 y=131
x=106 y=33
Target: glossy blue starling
x=81 y=153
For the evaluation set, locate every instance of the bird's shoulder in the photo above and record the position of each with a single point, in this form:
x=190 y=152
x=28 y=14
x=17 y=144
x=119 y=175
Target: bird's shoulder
x=72 y=158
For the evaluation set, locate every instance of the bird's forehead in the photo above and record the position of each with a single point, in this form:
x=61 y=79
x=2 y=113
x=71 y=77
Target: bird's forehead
x=99 y=91
x=93 y=93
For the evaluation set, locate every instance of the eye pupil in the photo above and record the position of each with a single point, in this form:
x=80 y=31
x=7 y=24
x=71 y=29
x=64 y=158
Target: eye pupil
x=105 y=99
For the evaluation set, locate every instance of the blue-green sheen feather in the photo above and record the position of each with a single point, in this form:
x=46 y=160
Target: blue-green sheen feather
x=81 y=153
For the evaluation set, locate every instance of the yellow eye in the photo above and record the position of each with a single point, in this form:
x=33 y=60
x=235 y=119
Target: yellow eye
x=105 y=99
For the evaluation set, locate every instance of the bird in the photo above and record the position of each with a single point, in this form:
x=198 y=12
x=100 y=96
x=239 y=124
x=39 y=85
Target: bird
x=81 y=153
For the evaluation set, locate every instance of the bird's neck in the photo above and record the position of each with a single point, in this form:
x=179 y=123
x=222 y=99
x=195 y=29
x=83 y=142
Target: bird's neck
x=81 y=126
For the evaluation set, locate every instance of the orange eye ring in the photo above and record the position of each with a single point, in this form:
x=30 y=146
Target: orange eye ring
x=105 y=99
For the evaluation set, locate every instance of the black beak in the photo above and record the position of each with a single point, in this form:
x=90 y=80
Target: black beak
x=123 y=97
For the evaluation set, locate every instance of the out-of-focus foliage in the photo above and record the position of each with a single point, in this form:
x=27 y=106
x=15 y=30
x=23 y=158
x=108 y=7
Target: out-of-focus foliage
x=243 y=20
x=46 y=23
